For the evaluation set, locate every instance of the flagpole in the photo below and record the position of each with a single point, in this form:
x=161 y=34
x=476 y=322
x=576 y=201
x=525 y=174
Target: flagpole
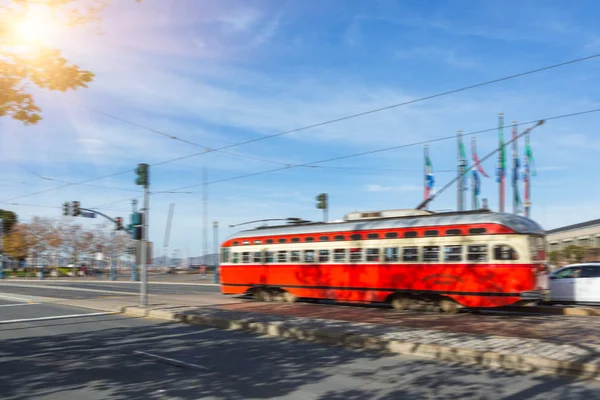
x=425 y=183
x=527 y=179
x=461 y=169
x=473 y=191
x=515 y=166
x=501 y=158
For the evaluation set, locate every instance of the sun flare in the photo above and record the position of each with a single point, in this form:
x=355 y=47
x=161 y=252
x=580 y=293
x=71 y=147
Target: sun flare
x=34 y=28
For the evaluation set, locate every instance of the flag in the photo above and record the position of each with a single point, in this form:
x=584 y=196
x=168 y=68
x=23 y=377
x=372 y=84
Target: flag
x=529 y=156
x=501 y=168
x=476 y=159
x=477 y=181
x=429 y=179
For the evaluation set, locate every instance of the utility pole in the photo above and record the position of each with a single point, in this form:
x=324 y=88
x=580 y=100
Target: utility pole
x=167 y=235
x=204 y=216
x=216 y=247
x=134 y=271
x=143 y=180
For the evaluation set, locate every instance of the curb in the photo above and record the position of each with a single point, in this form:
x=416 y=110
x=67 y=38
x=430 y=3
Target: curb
x=487 y=359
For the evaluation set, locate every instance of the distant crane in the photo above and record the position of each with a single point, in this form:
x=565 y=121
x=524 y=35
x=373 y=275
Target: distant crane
x=167 y=235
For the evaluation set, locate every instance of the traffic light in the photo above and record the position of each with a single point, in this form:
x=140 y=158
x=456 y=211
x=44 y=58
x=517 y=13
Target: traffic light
x=322 y=201
x=142 y=175
x=76 y=210
x=119 y=224
x=66 y=209
x=137 y=221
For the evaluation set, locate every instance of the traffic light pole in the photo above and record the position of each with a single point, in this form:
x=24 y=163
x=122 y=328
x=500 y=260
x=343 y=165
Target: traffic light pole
x=144 y=244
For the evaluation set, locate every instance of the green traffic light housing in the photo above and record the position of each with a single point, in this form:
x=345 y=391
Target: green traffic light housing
x=76 y=210
x=142 y=172
x=322 y=201
x=66 y=207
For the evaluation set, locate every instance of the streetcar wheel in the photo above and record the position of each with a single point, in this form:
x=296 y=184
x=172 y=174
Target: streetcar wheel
x=401 y=303
x=262 y=295
x=289 y=298
x=448 y=306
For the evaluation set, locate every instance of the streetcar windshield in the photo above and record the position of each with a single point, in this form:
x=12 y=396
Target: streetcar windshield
x=537 y=245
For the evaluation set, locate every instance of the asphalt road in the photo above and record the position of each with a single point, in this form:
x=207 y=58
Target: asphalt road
x=83 y=290
x=74 y=356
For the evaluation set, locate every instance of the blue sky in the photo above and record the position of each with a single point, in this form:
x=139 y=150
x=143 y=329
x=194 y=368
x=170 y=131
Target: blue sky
x=221 y=72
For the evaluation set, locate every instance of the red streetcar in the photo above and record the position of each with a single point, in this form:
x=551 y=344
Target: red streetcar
x=402 y=257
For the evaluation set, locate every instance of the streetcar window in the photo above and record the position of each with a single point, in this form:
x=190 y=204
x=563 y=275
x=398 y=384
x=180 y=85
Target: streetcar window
x=477 y=252
x=309 y=239
x=373 y=254
x=453 y=232
x=323 y=238
x=281 y=256
x=411 y=234
x=410 y=254
x=391 y=235
x=225 y=255
x=246 y=257
x=257 y=257
x=309 y=256
x=505 y=252
x=236 y=243
x=432 y=233
x=356 y=236
x=246 y=242
x=236 y=258
x=339 y=255
x=269 y=241
x=477 y=231
x=295 y=256
x=355 y=255
x=373 y=236
x=323 y=256
x=452 y=253
x=257 y=242
x=338 y=238
x=390 y=254
x=269 y=257
x=431 y=253
x=295 y=240
x=282 y=240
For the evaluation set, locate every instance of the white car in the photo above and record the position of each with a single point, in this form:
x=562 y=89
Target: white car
x=576 y=283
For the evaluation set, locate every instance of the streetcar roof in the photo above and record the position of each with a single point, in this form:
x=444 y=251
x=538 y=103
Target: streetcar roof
x=515 y=222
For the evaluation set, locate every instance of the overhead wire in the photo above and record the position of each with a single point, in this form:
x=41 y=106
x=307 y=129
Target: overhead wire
x=423 y=142
x=287 y=166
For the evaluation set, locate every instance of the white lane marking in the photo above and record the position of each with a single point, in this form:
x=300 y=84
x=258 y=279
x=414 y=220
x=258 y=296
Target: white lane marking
x=75 y=289
x=14 y=298
x=171 y=361
x=17 y=305
x=14 y=321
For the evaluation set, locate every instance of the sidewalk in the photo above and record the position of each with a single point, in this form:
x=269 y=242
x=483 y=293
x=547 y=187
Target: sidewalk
x=547 y=344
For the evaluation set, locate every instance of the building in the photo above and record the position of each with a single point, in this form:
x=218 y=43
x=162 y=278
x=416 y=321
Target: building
x=584 y=234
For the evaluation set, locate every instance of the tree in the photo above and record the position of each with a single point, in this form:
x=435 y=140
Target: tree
x=26 y=61
x=14 y=244
x=574 y=253
x=9 y=219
